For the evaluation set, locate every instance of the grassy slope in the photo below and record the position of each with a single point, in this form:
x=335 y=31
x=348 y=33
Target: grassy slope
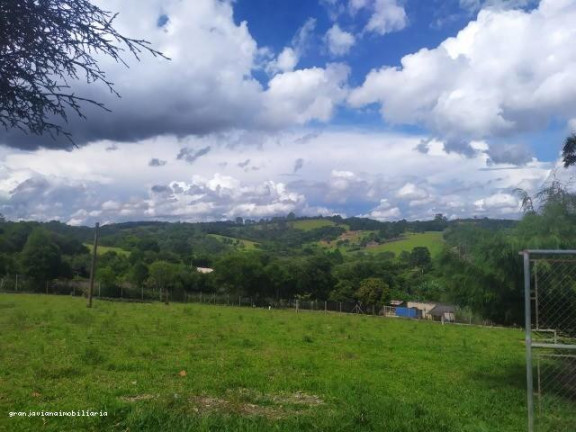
x=432 y=240
x=310 y=224
x=103 y=249
x=248 y=245
x=252 y=370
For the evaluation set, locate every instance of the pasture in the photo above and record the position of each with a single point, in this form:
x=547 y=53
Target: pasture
x=188 y=367
x=239 y=243
x=432 y=240
x=104 y=249
x=311 y=224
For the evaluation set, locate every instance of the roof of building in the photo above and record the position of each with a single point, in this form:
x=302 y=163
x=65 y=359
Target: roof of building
x=204 y=269
x=440 y=310
x=397 y=302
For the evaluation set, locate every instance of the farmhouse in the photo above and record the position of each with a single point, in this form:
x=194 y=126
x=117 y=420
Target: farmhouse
x=444 y=313
x=424 y=307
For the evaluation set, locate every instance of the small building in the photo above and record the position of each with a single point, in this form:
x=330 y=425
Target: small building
x=204 y=270
x=396 y=303
x=444 y=313
x=423 y=307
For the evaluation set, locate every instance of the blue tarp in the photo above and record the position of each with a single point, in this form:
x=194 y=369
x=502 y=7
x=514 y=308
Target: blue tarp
x=406 y=312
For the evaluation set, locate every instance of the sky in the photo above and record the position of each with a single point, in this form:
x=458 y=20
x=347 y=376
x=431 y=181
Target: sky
x=388 y=109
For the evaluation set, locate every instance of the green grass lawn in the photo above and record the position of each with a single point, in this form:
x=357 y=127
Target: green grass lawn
x=181 y=367
x=246 y=244
x=103 y=249
x=432 y=240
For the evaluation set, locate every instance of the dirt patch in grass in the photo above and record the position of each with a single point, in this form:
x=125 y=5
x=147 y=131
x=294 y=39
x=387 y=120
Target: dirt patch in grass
x=298 y=398
x=246 y=402
x=206 y=405
x=137 y=398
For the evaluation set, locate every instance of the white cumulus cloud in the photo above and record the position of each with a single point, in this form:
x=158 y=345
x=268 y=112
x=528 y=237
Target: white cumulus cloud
x=303 y=95
x=508 y=71
x=503 y=202
x=339 y=42
x=387 y=16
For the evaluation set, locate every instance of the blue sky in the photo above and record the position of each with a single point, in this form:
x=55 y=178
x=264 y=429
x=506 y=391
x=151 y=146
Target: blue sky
x=275 y=22
x=387 y=109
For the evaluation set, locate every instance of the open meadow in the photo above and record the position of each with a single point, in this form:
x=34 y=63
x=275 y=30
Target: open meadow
x=187 y=367
x=431 y=240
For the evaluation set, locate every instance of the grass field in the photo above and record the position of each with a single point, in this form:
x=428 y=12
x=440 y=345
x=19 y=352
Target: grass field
x=310 y=224
x=181 y=367
x=103 y=249
x=246 y=244
x=432 y=240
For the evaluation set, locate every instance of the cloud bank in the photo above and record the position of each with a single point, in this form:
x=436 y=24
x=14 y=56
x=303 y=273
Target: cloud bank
x=328 y=177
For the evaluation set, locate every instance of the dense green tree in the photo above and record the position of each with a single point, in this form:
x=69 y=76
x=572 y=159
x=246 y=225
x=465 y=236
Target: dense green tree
x=7 y=264
x=373 y=292
x=14 y=236
x=242 y=274
x=343 y=292
x=420 y=258
x=280 y=283
x=119 y=263
x=138 y=274
x=569 y=151
x=41 y=259
x=79 y=265
x=148 y=244
x=108 y=280
x=315 y=277
x=164 y=276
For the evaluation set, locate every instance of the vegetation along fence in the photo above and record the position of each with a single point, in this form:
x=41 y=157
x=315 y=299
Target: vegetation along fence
x=126 y=292
x=550 y=301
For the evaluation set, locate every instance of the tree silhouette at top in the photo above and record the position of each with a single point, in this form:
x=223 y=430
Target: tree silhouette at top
x=44 y=46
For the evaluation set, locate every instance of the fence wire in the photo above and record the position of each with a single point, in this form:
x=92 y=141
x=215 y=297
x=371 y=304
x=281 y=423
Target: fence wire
x=551 y=340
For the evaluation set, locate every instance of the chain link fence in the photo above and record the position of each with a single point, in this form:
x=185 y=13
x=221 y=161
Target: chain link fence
x=550 y=296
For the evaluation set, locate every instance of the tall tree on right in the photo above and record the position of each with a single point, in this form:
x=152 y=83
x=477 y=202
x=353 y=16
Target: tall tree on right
x=569 y=151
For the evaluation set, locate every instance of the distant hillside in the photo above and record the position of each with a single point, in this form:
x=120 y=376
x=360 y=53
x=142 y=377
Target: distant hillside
x=236 y=242
x=432 y=240
x=311 y=224
x=279 y=235
x=104 y=249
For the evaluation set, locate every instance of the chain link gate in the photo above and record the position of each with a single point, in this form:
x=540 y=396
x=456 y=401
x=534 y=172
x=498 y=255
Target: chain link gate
x=550 y=308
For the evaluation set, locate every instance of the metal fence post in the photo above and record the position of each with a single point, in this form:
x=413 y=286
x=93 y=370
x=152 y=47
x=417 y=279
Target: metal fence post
x=528 y=340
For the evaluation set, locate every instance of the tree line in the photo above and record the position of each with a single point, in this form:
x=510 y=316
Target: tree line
x=479 y=267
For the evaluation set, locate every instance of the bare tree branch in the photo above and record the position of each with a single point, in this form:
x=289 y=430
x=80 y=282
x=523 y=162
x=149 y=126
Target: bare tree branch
x=44 y=45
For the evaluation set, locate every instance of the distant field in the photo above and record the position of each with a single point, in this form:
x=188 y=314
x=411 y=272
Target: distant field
x=247 y=244
x=181 y=367
x=432 y=240
x=353 y=237
x=308 y=225
x=103 y=249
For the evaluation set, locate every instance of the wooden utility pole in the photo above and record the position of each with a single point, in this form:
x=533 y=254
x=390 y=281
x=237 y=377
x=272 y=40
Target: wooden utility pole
x=93 y=266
